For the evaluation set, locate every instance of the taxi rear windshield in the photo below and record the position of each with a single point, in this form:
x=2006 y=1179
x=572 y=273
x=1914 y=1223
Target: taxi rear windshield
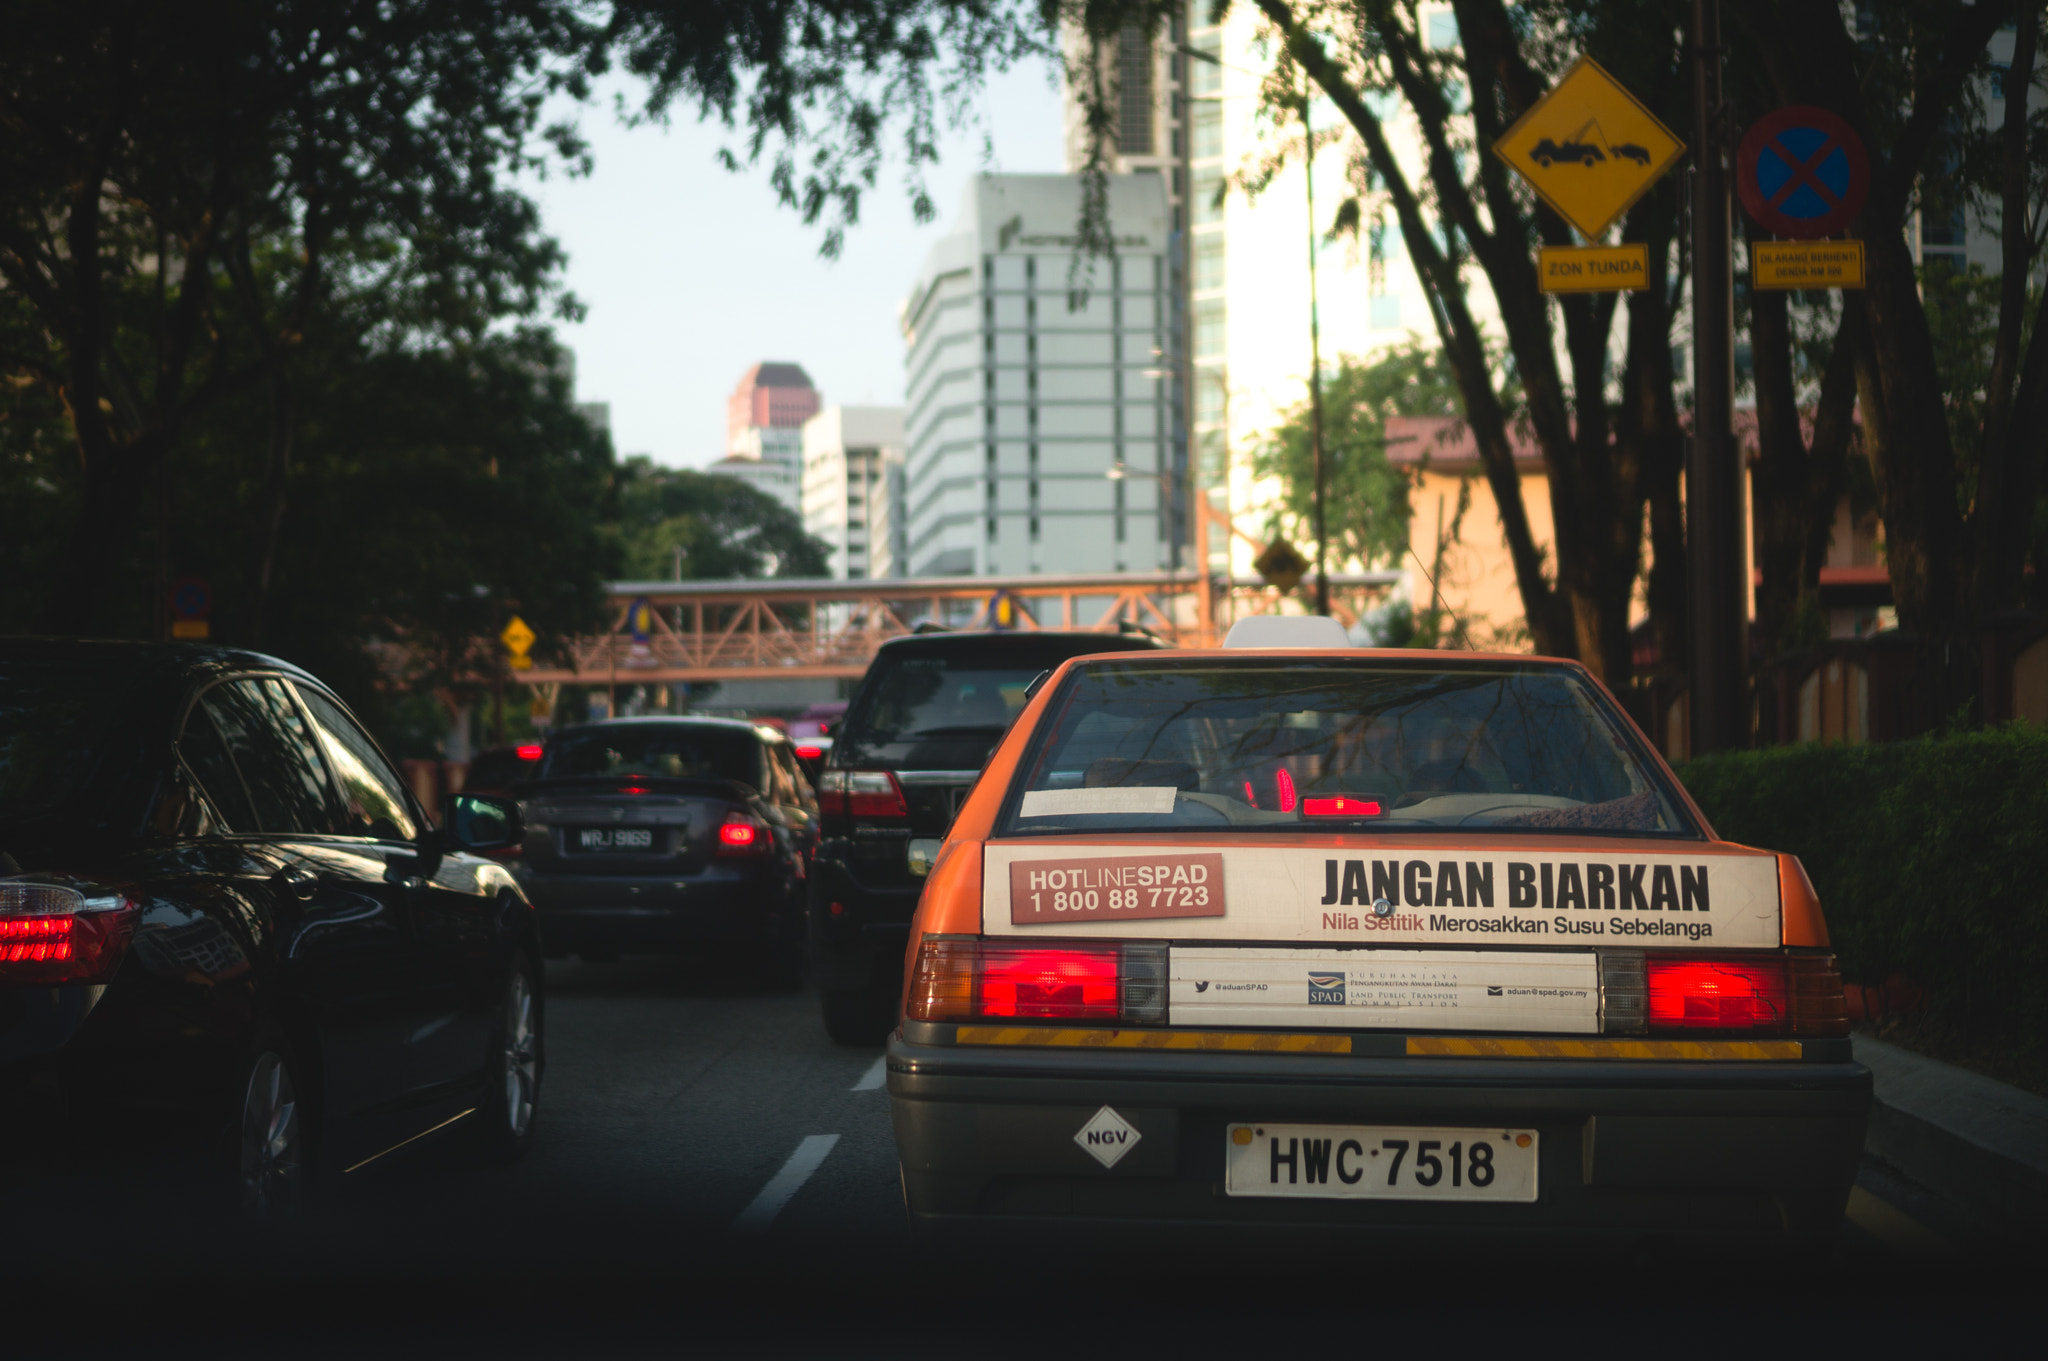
x=1341 y=745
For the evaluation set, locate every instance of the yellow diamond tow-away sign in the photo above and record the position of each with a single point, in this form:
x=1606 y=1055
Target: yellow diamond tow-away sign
x=1589 y=148
x=517 y=637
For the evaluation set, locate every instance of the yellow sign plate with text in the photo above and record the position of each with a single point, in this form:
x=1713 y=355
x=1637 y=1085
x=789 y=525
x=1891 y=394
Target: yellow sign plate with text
x=1806 y=264
x=1589 y=148
x=517 y=637
x=1593 y=269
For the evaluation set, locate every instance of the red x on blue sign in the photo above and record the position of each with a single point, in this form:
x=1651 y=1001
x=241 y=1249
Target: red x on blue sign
x=1802 y=173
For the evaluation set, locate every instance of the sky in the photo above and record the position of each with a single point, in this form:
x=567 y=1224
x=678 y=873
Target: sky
x=691 y=273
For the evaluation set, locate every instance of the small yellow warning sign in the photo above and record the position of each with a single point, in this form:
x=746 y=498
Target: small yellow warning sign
x=1594 y=269
x=1589 y=148
x=517 y=637
x=1806 y=264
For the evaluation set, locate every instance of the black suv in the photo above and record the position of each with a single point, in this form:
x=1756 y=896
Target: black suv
x=924 y=720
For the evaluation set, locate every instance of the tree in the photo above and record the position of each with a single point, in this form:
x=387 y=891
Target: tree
x=687 y=525
x=1366 y=496
x=1611 y=441
x=1957 y=432
x=181 y=198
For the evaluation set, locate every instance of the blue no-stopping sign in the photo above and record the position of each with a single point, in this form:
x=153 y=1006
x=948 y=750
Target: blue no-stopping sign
x=1802 y=173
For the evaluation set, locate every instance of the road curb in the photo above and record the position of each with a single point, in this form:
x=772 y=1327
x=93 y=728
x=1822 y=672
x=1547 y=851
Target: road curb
x=1959 y=1133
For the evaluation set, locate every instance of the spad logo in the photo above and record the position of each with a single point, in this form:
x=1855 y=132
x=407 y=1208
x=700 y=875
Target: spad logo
x=1326 y=989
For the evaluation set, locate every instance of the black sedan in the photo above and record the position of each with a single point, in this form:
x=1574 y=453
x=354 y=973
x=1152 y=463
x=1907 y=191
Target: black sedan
x=670 y=836
x=226 y=925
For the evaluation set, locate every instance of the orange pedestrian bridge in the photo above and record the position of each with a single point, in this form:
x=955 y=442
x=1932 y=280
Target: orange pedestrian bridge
x=663 y=632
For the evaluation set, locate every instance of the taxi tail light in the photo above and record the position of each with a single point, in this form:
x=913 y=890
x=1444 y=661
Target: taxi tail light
x=975 y=980
x=50 y=934
x=861 y=794
x=529 y=751
x=810 y=753
x=1795 y=995
x=1341 y=808
x=742 y=834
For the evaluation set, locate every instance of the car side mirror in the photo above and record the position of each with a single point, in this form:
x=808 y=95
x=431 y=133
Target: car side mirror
x=481 y=822
x=924 y=850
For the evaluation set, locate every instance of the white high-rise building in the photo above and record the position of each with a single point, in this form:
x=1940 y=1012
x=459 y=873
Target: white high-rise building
x=853 y=487
x=1041 y=430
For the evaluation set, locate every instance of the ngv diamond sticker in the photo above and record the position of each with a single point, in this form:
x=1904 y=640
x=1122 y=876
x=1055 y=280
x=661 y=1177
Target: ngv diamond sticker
x=1107 y=1137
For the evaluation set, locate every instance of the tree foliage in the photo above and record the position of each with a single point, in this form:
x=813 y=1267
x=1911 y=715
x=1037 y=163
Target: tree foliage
x=1366 y=496
x=180 y=200
x=1609 y=432
x=1950 y=374
x=723 y=528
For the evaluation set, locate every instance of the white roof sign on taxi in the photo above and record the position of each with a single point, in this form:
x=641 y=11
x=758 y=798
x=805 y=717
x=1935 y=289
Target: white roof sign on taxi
x=1516 y=896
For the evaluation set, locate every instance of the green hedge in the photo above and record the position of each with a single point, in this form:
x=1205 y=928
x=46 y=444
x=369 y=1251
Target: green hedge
x=1930 y=856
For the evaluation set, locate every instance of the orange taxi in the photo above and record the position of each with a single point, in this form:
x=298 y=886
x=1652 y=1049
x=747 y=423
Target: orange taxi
x=1293 y=935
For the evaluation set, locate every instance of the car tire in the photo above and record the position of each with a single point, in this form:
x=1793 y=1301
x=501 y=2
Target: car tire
x=512 y=1077
x=272 y=1134
x=857 y=1016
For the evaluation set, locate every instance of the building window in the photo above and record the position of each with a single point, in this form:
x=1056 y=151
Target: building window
x=1208 y=196
x=1210 y=403
x=1209 y=329
x=1209 y=262
x=1206 y=76
x=1207 y=143
x=1134 y=91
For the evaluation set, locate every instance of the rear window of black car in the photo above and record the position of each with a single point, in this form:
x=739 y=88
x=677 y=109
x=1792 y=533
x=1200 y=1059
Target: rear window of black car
x=963 y=692
x=56 y=721
x=675 y=750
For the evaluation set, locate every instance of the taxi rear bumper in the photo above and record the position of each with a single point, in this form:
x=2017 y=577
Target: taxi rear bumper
x=1627 y=1149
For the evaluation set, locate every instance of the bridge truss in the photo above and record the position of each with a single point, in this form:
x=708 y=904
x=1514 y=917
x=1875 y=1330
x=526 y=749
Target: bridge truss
x=827 y=628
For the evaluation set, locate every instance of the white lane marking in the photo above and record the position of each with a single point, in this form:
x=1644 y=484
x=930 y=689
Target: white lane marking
x=873 y=1077
x=784 y=1184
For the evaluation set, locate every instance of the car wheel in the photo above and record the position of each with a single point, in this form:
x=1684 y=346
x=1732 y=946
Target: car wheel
x=861 y=1016
x=512 y=1086
x=271 y=1158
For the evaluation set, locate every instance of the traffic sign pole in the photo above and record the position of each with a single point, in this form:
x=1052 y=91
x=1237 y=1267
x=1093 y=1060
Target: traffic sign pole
x=1719 y=624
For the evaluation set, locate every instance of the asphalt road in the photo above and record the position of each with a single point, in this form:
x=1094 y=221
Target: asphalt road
x=712 y=1175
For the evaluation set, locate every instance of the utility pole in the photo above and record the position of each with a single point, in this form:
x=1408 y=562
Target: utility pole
x=1719 y=623
x=1315 y=352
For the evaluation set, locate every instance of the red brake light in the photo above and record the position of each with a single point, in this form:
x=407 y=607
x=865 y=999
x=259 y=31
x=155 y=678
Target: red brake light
x=1771 y=994
x=530 y=751
x=861 y=794
x=740 y=834
x=960 y=980
x=1340 y=808
x=1285 y=784
x=50 y=934
x=810 y=753
x=1033 y=984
